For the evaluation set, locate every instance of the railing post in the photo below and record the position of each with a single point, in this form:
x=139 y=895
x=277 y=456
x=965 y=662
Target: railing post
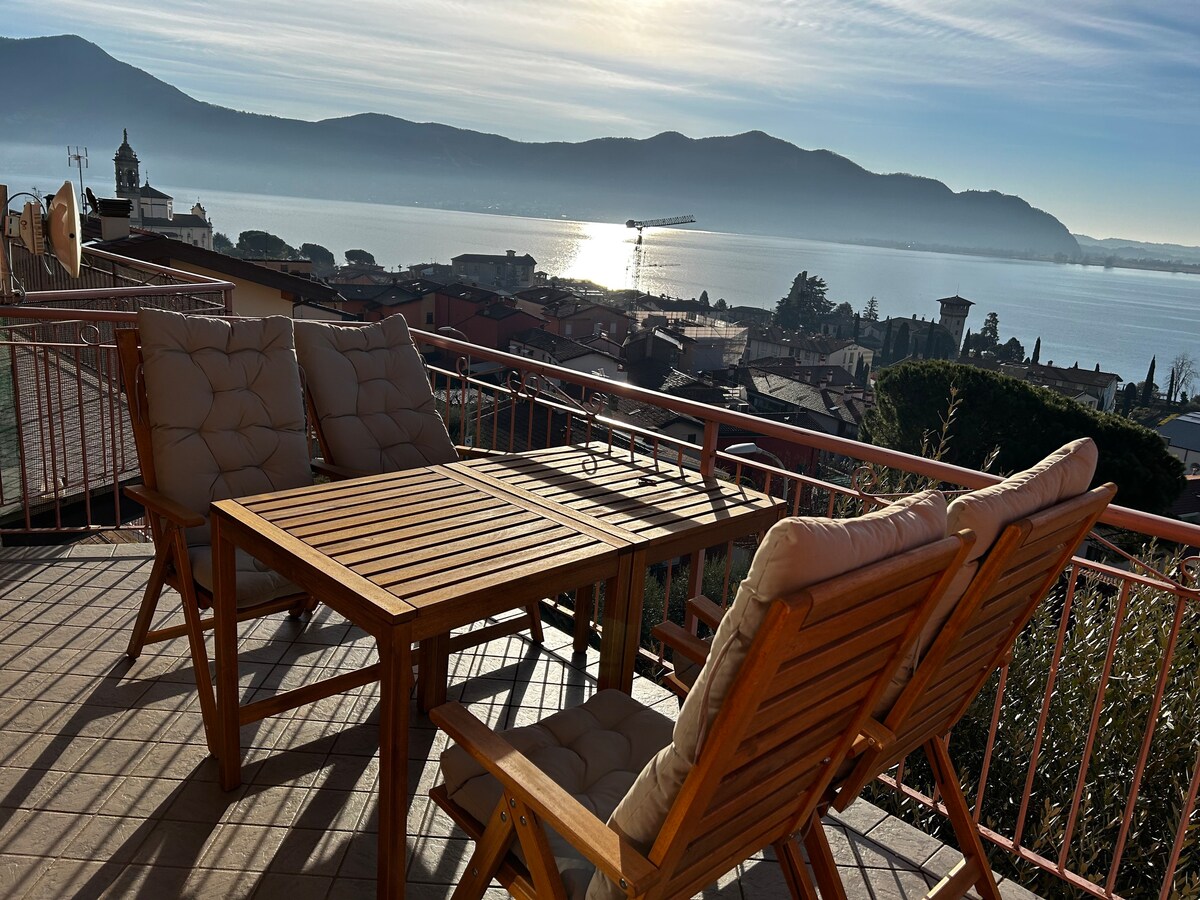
x=708 y=452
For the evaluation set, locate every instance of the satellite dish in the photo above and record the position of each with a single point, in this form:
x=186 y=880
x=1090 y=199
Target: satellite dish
x=56 y=229
x=62 y=229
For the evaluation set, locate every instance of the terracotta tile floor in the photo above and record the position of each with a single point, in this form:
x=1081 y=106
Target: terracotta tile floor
x=106 y=788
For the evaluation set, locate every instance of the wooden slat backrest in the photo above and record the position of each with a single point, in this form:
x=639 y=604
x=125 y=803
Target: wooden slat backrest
x=129 y=354
x=818 y=665
x=1014 y=578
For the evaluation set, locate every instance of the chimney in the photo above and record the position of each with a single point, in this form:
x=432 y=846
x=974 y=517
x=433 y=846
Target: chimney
x=511 y=253
x=114 y=218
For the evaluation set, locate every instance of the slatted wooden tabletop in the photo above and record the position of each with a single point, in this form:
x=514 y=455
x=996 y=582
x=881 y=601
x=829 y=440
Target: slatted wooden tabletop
x=454 y=551
x=660 y=507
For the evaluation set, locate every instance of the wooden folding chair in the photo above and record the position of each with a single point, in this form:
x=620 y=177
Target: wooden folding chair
x=177 y=530
x=373 y=411
x=783 y=699
x=1016 y=575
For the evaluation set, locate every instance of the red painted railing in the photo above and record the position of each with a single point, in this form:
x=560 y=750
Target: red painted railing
x=1097 y=688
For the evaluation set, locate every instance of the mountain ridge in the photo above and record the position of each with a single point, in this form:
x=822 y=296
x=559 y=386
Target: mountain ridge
x=751 y=182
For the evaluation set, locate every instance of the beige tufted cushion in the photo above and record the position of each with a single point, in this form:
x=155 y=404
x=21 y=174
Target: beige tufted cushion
x=255 y=582
x=1065 y=473
x=594 y=751
x=225 y=408
x=226 y=420
x=371 y=393
x=796 y=553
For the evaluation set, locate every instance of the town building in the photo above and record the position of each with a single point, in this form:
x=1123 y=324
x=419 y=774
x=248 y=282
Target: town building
x=807 y=349
x=1182 y=434
x=260 y=291
x=1091 y=387
x=572 y=317
x=819 y=406
x=540 y=345
x=151 y=209
x=505 y=271
x=412 y=298
x=954 y=311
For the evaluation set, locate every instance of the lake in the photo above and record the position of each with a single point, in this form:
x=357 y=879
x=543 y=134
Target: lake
x=1115 y=317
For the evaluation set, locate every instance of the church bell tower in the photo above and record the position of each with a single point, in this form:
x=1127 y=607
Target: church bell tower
x=128 y=174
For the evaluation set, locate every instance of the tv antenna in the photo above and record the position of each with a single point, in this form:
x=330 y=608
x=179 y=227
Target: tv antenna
x=78 y=158
x=637 y=245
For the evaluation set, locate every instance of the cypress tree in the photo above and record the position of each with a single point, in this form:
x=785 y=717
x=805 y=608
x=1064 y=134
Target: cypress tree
x=1148 y=384
x=1128 y=397
x=1037 y=351
x=966 y=347
x=902 y=347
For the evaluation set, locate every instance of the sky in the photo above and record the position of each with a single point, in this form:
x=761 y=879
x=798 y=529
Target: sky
x=1089 y=109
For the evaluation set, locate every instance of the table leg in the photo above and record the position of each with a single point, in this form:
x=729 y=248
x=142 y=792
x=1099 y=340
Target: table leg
x=229 y=749
x=433 y=671
x=622 y=621
x=585 y=606
x=395 y=660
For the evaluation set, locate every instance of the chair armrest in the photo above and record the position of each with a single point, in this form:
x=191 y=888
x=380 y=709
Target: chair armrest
x=706 y=611
x=682 y=641
x=337 y=473
x=162 y=505
x=575 y=823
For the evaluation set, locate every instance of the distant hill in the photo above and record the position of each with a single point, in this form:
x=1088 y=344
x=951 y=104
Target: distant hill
x=1126 y=248
x=749 y=182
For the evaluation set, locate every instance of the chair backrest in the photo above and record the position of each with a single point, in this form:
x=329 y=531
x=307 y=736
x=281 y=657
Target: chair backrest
x=129 y=357
x=369 y=394
x=796 y=666
x=1017 y=574
x=216 y=406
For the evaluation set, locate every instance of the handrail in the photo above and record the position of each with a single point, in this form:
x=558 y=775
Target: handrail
x=1118 y=516
x=68 y=383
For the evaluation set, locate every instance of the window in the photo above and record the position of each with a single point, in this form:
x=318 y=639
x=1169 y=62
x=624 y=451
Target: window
x=428 y=318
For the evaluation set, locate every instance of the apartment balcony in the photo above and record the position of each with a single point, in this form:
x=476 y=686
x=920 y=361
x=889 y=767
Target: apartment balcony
x=1080 y=759
x=107 y=789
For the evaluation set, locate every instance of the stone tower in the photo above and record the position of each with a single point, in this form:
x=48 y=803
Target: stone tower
x=954 y=317
x=128 y=172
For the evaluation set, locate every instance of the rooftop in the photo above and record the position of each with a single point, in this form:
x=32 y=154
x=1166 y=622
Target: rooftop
x=108 y=789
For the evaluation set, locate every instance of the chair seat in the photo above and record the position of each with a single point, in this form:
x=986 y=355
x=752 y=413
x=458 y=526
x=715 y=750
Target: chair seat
x=594 y=751
x=255 y=582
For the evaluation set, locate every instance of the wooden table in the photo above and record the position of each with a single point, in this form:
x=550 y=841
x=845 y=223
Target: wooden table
x=410 y=555
x=661 y=509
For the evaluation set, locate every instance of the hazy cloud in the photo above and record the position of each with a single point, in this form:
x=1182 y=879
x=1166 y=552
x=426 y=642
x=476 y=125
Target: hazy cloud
x=864 y=77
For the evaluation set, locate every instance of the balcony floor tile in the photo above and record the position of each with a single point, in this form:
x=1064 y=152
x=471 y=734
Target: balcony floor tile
x=107 y=790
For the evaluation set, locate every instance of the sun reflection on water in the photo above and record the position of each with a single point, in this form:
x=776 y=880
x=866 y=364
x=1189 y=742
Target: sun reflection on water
x=603 y=253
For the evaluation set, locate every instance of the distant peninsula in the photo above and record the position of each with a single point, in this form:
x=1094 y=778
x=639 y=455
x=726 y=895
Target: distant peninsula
x=749 y=183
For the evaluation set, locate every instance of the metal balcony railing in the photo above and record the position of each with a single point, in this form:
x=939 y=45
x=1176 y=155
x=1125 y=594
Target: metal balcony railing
x=1083 y=755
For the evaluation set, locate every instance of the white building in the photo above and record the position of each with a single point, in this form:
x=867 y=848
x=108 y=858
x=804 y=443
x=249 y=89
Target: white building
x=152 y=210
